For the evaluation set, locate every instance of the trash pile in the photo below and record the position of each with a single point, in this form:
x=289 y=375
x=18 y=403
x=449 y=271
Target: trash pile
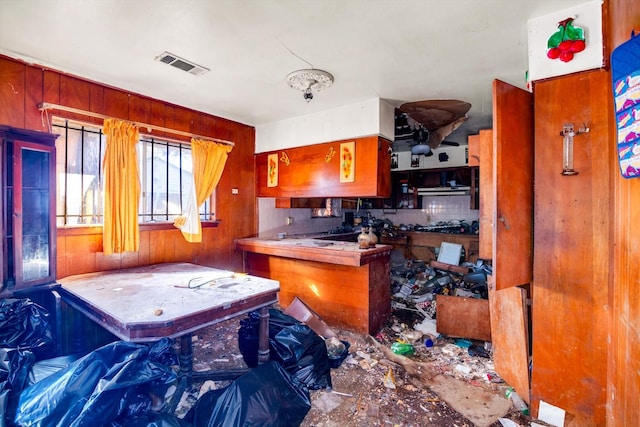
x=415 y=284
x=278 y=392
x=369 y=387
x=114 y=383
x=129 y=384
x=412 y=329
x=461 y=358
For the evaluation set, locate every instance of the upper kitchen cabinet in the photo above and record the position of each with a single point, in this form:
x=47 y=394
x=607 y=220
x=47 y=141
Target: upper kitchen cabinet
x=28 y=209
x=409 y=187
x=446 y=171
x=358 y=167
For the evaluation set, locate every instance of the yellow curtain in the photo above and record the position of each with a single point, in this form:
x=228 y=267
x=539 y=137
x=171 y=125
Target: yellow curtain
x=121 y=188
x=208 y=160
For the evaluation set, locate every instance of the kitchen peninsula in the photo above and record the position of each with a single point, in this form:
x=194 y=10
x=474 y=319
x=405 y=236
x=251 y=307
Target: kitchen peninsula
x=347 y=286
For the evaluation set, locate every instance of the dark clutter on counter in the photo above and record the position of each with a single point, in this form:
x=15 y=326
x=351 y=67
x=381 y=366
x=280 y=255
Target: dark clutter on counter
x=386 y=227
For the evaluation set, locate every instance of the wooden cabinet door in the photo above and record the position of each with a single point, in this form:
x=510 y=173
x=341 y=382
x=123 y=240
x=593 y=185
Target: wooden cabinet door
x=573 y=284
x=29 y=215
x=485 y=219
x=513 y=185
x=510 y=209
x=474 y=150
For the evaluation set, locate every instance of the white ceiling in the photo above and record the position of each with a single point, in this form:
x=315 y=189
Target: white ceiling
x=397 y=50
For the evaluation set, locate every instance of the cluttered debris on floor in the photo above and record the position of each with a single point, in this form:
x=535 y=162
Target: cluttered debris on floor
x=408 y=374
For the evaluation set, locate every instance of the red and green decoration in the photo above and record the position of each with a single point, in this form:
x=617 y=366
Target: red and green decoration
x=566 y=42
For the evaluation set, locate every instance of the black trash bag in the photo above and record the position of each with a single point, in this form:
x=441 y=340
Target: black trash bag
x=265 y=396
x=43 y=368
x=96 y=389
x=152 y=420
x=25 y=335
x=295 y=346
x=15 y=365
x=25 y=325
x=4 y=402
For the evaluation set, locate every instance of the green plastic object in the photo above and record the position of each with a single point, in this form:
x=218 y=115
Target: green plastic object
x=463 y=343
x=517 y=401
x=403 y=348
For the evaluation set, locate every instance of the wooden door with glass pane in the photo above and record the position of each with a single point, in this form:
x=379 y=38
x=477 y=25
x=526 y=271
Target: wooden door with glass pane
x=29 y=230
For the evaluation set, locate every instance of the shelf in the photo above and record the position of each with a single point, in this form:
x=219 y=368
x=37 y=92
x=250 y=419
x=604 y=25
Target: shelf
x=433 y=182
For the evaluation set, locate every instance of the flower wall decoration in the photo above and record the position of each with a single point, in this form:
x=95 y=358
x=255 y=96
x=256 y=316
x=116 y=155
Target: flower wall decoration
x=272 y=170
x=347 y=161
x=566 y=41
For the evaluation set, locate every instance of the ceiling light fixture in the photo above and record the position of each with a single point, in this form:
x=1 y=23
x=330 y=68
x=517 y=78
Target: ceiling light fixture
x=309 y=80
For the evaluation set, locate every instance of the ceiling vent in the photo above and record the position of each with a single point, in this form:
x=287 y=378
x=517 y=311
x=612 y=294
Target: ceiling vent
x=181 y=64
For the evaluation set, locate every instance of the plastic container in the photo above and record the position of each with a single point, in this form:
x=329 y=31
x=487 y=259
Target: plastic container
x=517 y=401
x=336 y=361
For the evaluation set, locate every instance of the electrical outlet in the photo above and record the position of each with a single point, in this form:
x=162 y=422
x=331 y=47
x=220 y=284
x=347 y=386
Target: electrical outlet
x=234 y=191
x=289 y=220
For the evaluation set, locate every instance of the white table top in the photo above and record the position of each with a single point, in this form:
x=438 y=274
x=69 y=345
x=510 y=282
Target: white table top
x=172 y=298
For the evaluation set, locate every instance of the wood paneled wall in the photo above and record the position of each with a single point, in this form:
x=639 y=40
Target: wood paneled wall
x=23 y=86
x=623 y=373
x=571 y=248
x=586 y=306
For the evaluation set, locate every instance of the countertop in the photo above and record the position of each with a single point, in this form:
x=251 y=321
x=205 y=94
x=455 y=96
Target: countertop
x=320 y=250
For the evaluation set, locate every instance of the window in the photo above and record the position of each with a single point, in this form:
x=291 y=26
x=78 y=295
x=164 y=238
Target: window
x=164 y=169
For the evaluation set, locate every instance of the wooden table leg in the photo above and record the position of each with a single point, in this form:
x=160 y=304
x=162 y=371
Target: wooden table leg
x=185 y=376
x=185 y=358
x=263 y=336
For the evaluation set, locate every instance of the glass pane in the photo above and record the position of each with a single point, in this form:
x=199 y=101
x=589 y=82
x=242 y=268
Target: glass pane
x=91 y=178
x=187 y=177
x=79 y=153
x=35 y=215
x=73 y=196
x=174 y=207
x=35 y=234
x=165 y=185
x=144 y=161
x=159 y=183
x=9 y=252
x=61 y=182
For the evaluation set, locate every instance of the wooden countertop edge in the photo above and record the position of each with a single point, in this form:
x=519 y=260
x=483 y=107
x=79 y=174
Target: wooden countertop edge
x=327 y=254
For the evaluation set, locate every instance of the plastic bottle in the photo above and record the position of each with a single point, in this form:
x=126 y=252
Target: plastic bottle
x=517 y=401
